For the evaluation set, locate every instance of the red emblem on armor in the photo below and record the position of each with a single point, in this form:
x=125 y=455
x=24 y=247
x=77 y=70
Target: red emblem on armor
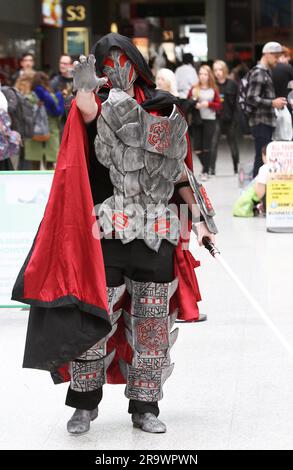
x=144 y=384
x=88 y=376
x=162 y=226
x=150 y=300
x=159 y=136
x=152 y=334
x=120 y=221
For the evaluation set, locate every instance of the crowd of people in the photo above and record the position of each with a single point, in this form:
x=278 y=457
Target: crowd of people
x=210 y=98
x=209 y=95
x=35 y=104
x=217 y=103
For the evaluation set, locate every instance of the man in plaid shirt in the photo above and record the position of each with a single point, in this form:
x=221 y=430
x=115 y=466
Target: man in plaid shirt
x=261 y=97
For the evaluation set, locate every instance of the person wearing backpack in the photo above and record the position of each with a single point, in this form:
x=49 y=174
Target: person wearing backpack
x=9 y=139
x=47 y=148
x=32 y=146
x=22 y=117
x=261 y=102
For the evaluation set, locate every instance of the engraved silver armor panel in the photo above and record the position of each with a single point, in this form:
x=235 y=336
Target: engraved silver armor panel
x=148 y=332
x=87 y=376
x=150 y=299
x=113 y=295
x=151 y=341
x=145 y=155
x=88 y=371
x=99 y=350
x=145 y=385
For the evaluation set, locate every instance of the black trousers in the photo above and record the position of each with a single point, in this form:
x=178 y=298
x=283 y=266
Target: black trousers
x=139 y=263
x=202 y=141
x=231 y=131
x=23 y=164
x=6 y=165
x=262 y=134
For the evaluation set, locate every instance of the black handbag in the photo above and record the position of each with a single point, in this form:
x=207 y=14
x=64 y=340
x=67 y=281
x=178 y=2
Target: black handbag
x=196 y=117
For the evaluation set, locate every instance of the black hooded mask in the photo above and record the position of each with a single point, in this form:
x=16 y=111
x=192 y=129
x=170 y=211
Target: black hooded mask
x=155 y=99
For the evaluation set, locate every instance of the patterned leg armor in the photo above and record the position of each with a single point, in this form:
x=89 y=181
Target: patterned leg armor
x=88 y=371
x=148 y=331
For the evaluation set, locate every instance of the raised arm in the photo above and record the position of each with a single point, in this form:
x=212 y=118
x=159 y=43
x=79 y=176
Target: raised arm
x=86 y=103
x=86 y=82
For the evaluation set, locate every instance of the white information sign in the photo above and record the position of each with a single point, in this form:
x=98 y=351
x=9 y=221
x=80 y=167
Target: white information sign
x=279 y=194
x=23 y=198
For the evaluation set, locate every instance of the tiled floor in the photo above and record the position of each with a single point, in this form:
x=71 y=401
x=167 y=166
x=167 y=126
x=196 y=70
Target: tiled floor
x=232 y=383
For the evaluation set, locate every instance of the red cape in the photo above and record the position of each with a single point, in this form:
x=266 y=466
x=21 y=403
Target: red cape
x=64 y=270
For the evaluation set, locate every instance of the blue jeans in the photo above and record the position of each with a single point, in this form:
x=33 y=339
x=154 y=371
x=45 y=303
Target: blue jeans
x=262 y=134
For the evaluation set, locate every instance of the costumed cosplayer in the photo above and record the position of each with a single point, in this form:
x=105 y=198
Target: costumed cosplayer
x=109 y=272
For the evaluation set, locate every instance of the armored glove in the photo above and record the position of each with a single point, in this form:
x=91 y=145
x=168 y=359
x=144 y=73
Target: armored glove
x=84 y=74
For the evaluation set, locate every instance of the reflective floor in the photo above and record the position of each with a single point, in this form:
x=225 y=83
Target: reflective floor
x=232 y=383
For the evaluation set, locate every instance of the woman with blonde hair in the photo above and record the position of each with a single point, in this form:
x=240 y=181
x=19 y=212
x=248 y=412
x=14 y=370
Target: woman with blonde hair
x=227 y=119
x=207 y=103
x=166 y=80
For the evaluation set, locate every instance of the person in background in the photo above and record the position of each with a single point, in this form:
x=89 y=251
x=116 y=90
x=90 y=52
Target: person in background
x=207 y=101
x=282 y=73
x=261 y=97
x=186 y=76
x=24 y=85
x=238 y=72
x=27 y=63
x=31 y=150
x=262 y=179
x=54 y=105
x=5 y=74
x=252 y=201
x=166 y=80
x=226 y=122
x=3 y=101
x=285 y=57
x=63 y=82
x=9 y=139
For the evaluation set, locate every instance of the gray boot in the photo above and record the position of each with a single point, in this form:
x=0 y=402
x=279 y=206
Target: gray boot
x=79 y=423
x=148 y=422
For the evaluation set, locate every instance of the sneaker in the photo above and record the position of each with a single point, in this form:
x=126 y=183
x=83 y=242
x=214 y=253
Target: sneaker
x=204 y=177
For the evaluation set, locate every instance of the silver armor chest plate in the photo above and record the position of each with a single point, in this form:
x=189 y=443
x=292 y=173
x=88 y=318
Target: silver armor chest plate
x=145 y=155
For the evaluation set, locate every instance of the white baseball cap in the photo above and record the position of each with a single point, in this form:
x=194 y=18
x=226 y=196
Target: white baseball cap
x=272 y=48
